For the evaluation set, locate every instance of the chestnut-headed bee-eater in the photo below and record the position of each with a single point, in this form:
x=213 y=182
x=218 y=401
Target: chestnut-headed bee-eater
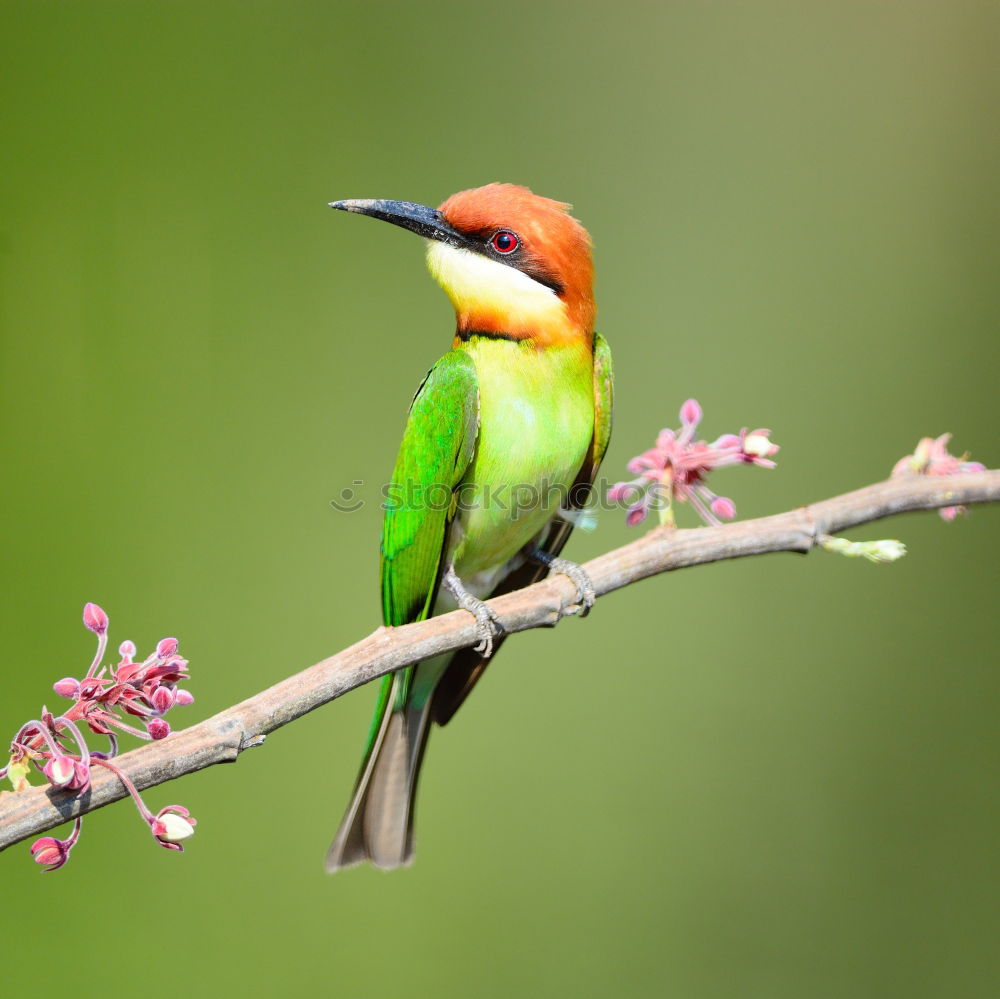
x=502 y=445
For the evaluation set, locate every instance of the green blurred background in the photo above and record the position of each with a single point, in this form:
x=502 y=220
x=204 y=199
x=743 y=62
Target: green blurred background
x=774 y=778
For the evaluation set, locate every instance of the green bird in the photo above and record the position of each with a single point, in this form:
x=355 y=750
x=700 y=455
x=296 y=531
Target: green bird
x=502 y=445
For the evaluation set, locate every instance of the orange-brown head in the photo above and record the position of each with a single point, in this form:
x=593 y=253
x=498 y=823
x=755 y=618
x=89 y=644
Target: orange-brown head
x=513 y=263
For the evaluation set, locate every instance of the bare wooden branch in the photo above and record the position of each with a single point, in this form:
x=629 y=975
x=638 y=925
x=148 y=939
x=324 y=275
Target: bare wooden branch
x=222 y=738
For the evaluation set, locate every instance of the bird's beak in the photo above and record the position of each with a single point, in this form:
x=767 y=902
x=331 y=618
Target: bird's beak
x=424 y=221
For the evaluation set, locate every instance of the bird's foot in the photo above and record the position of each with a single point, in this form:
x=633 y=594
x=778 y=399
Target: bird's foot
x=488 y=625
x=585 y=593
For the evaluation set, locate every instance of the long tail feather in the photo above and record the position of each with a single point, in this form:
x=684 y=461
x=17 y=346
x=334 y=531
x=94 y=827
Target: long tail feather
x=378 y=825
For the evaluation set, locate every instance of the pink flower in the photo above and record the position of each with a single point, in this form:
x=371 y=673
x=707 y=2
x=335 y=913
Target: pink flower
x=931 y=457
x=102 y=702
x=677 y=466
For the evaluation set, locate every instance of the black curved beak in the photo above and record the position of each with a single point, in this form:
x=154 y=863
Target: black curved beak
x=424 y=221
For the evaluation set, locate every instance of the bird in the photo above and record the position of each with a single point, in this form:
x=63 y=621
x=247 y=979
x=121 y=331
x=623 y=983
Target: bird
x=502 y=444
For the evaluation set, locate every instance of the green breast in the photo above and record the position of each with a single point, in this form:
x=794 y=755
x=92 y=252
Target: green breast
x=536 y=424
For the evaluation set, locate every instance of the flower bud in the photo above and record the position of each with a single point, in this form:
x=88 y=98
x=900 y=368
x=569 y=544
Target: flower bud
x=724 y=507
x=59 y=771
x=95 y=619
x=759 y=446
x=175 y=828
x=50 y=852
x=171 y=825
x=166 y=647
x=635 y=515
x=691 y=413
x=158 y=728
x=126 y=650
x=184 y=697
x=67 y=687
x=163 y=699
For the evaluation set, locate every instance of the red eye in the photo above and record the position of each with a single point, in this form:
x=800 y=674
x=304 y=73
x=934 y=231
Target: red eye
x=505 y=242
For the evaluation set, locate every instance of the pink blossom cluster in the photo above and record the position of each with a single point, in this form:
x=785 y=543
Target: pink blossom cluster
x=56 y=746
x=931 y=457
x=675 y=469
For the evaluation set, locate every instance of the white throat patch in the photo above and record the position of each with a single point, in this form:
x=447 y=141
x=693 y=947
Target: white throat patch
x=475 y=283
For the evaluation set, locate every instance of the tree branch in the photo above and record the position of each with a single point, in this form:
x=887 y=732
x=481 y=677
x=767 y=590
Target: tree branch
x=222 y=738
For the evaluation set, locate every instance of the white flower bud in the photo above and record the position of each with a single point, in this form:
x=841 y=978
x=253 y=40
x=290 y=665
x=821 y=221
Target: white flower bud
x=759 y=446
x=175 y=828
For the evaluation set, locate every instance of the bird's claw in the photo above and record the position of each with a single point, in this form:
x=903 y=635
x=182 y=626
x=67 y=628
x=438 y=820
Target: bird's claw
x=488 y=628
x=585 y=592
x=488 y=625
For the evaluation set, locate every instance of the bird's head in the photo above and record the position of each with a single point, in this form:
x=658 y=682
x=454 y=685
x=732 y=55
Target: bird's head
x=512 y=263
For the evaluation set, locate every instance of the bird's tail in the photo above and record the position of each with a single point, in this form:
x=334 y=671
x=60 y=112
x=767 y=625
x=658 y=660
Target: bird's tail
x=378 y=825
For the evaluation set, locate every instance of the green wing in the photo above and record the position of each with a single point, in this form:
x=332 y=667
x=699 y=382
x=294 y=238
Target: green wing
x=437 y=448
x=553 y=540
x=603 y=405
x=438 y=445
x=604 y=398
x=467 y=665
